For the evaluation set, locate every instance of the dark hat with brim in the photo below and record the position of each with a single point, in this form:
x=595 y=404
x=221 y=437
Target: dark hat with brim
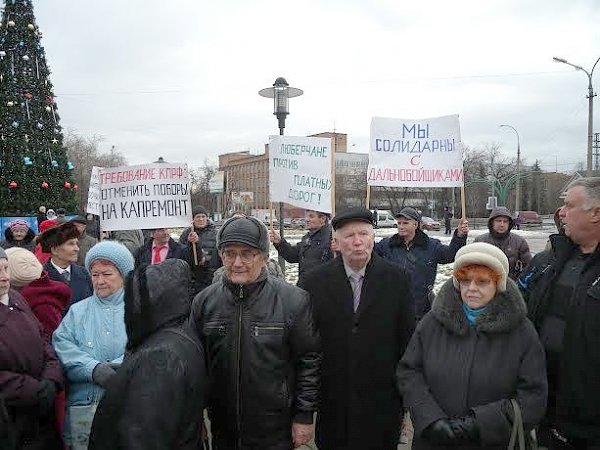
x=199 y=210
x=244 y=230
x=57 y=235
x=409 y=213
x=352 y=215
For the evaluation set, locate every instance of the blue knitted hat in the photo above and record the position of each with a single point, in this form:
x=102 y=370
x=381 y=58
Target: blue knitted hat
x=112 y=251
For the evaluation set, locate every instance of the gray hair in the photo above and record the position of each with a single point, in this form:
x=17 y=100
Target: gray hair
x=591 y=186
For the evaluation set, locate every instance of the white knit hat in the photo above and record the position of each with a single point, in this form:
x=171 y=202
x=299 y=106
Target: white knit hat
x=483 y=254
x=23 y=266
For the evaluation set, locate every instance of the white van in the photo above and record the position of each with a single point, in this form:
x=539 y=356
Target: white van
x=385 y=219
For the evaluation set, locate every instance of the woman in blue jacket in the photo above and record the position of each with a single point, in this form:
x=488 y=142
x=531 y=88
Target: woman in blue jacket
x=90 y=341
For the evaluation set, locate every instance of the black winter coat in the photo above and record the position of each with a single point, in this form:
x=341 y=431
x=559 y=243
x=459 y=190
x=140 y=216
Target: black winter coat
x=451 y=369
x=263 y=356
x=208 y=256
x=577 y=395
x=156 y=399
x=313 y=250
x=361 y=408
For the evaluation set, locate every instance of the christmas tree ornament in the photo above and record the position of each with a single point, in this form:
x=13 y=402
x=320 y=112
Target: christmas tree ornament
x=44 y=185
x=26 y=137
x=28 y=95
x=30 y=26
x=54 y=141
x=67 y=185
x=70 y=165
x=27 y=161
x=13 y=185
x=25 y=58
x=2 y=53
x=54 y=163
x=48 y=109
x=75 y=187
x=11 y=23
x=39 y=125
x=9 y=103
x=15 y=124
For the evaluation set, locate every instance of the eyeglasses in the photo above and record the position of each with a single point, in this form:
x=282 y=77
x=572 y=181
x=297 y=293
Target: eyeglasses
x=479 y=282
x=246 y=256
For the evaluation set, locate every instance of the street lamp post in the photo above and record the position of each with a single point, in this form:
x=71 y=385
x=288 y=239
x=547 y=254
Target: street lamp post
x=591 y=96
x=281 y=92
x=518 y=182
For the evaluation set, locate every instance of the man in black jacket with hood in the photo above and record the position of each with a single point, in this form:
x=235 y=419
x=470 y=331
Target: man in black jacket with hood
x=156 y=398
x=262 y=349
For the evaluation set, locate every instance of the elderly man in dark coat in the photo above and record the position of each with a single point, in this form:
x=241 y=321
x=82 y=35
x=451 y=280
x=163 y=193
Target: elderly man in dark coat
x=363 y=310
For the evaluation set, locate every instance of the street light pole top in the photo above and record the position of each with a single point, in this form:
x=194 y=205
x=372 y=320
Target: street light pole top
x=280 y=85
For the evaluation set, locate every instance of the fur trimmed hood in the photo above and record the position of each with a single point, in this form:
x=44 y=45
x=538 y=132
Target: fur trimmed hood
x=504 y=312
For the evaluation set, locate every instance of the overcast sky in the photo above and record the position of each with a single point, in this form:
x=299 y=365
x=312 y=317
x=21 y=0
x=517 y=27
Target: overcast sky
x=180 y=78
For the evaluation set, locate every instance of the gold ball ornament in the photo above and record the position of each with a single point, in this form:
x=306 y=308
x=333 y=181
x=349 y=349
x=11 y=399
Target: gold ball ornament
x=11 y=23
x=9 y=103
x=30 y=26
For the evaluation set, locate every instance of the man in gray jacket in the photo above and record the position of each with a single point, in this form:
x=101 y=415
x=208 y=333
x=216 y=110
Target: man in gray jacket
x=514 y=247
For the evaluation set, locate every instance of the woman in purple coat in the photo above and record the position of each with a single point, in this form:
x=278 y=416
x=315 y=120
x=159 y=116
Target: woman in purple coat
x=30 y=373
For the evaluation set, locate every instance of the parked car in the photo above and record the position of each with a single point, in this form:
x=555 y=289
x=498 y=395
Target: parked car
x=529 y=218
x=385 y=219
x=288 y=222
x=428 y=224
x=299 y=223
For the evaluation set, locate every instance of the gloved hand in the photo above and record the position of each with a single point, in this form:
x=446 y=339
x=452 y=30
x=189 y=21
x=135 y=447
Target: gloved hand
x=439 y=432
x=46 y=394
x=465 y=429
x=102 y=373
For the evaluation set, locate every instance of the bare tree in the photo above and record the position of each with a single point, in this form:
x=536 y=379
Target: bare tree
x=199 y=183
x=84 y=153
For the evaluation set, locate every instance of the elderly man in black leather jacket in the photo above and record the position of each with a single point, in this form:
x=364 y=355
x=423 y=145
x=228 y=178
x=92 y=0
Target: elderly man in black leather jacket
x=262 y=350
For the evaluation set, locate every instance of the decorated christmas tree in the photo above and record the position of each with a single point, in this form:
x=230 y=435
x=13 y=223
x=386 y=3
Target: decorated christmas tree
x=34 y=169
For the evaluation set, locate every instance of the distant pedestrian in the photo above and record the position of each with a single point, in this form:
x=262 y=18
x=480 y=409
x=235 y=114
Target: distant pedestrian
x=447 y=220
x=515 y=247
x=61 y=215
x=363 y=311
x=93 y=226
x=161 y=247
x=41 y=216
x=470 y=355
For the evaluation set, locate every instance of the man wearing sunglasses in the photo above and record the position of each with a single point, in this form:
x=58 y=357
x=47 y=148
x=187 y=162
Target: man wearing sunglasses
x=262 y=349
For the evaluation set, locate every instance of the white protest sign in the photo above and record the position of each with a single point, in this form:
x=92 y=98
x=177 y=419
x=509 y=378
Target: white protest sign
x=146 y=196
x=300 y=171
x=93 y=202
x=416 y=153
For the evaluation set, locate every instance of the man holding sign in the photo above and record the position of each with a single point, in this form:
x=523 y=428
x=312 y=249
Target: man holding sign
x=313 y=249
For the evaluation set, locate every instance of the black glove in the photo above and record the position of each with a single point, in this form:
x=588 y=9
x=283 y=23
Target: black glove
x=102 y=373
x=465 y=429
x=46 y=394
x=439 y=432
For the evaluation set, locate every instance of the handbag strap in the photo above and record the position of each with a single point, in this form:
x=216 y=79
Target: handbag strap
x=517 y=428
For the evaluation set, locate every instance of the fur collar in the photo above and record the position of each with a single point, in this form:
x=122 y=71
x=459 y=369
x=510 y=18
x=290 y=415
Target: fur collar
x=421 y=239
x=504 y=313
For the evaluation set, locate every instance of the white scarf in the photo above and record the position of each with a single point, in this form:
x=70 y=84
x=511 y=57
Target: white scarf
x=4 y=299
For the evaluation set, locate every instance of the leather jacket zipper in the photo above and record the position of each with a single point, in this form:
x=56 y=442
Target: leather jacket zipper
x=238 y=366
x=256 y=329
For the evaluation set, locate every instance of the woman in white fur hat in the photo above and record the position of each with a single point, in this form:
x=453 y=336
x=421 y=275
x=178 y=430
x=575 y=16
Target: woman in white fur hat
x=470 y=355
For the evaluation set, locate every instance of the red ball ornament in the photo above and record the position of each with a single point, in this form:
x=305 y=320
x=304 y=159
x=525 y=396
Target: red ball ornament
x=13 y=185
x=67 y=185
x=45 y=185
x=75 y=187
x=28 y=95
x=50 y=100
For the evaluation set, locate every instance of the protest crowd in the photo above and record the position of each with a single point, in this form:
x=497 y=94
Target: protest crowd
x=134 y=339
